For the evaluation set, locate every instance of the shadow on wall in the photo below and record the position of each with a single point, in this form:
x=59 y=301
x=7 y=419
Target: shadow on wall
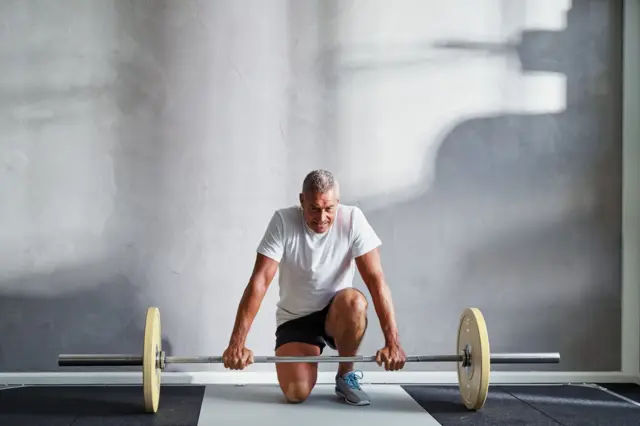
x=523 y=217
x=105 y=316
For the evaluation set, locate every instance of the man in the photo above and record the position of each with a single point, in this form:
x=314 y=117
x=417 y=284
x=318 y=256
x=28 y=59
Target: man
x=315 y=246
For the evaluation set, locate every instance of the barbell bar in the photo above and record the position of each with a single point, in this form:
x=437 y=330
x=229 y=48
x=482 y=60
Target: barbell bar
x=473 y=359
x=124 y=360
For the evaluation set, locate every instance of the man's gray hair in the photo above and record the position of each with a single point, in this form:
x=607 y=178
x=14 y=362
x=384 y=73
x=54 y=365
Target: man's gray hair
x=319 y=181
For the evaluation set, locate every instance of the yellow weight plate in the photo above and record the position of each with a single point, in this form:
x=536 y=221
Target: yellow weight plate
x=473 y=380
x=150 y=368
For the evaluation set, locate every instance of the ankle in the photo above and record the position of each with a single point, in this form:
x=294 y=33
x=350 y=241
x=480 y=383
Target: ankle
x=344 y=368
x=343 y=371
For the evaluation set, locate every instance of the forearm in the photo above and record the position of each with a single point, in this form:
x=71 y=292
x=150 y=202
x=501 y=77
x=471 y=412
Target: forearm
x=383 y=303
x=247 y=311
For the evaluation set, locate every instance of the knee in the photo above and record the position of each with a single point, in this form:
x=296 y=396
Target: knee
x=297 y=392
x=353 y=301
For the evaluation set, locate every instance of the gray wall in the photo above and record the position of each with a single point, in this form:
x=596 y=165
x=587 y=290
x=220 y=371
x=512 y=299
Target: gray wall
x=144 y=146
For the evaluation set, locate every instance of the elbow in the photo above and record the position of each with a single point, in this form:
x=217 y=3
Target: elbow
x=257 y=286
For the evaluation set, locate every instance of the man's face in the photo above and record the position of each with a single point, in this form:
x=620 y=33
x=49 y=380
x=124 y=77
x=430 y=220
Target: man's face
x=319 y=209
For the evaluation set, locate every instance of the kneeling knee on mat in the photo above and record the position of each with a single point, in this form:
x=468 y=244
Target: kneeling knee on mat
x=297 y=392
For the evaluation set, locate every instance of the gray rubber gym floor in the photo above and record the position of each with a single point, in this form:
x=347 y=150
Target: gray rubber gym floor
x=602 y=404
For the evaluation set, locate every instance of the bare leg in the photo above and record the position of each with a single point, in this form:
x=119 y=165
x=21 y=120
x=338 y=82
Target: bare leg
x=347 y=323
x=297 y=379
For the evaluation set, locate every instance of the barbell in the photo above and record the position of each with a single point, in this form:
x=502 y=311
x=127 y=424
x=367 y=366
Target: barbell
x=472 y=356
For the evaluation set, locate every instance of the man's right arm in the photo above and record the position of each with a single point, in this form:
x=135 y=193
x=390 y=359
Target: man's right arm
x=270 y=252
x=263 y=272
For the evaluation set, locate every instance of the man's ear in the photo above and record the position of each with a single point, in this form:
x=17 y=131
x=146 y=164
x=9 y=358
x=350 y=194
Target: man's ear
x=301 y=198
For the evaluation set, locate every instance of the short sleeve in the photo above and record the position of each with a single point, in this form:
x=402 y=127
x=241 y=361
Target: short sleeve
x=365 y=238
x=272 y=243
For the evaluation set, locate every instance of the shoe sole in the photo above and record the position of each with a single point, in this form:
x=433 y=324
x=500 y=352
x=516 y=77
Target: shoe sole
x=358 y=404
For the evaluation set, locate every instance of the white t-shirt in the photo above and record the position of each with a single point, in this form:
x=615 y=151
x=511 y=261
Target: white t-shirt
x=313 y=267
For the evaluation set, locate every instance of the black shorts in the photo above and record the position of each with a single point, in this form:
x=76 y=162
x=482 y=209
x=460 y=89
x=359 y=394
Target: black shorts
x=307 y=329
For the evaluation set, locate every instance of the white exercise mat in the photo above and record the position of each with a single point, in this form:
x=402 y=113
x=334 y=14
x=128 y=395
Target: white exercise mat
x=253 y=405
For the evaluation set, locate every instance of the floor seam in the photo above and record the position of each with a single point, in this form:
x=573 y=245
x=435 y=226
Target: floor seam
x=610 y=392
x=535 y=408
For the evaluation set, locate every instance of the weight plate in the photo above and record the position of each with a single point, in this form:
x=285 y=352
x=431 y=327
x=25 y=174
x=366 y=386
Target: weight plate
x=473 y=380
x=150 y=370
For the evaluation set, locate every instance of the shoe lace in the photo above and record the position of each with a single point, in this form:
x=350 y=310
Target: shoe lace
x=351 y=379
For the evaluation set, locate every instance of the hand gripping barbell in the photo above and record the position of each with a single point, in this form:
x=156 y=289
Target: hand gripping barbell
x=473 y=359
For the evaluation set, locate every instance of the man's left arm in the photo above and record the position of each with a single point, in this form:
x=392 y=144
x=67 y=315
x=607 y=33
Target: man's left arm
x=370 y=268
x=367 y=257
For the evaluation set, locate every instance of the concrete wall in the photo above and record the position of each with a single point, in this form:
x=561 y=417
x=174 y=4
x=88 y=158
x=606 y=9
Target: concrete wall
x=631 y=194
x=145 y=145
